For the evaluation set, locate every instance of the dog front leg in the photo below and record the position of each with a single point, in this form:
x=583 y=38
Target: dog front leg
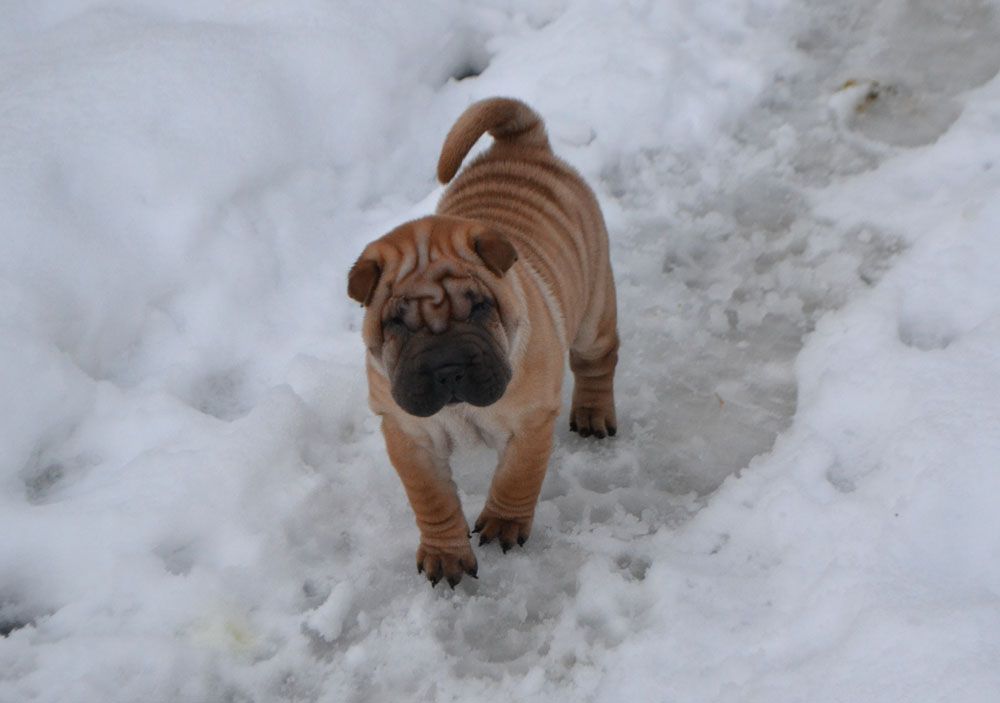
x=510 y=507
x=444 y=550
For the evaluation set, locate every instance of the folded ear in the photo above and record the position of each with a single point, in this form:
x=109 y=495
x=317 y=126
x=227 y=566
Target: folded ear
x=496 y=251
x=362 y=279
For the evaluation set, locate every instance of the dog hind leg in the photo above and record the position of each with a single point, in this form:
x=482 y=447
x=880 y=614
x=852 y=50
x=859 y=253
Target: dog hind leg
x=592 y=358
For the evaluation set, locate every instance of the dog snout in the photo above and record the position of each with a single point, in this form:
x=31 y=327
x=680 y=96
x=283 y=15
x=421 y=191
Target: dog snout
x=463 y=366
x=450 y=376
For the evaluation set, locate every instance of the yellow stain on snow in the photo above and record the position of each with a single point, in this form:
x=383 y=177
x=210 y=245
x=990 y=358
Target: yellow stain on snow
x=225 y=632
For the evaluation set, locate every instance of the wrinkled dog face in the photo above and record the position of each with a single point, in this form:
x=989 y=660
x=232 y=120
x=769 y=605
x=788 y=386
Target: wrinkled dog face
x=465 y=363
x=435 y=294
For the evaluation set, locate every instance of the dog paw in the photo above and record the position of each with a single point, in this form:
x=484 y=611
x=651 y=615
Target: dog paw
x=448 y=564
x=507 y=531
x=591 y=421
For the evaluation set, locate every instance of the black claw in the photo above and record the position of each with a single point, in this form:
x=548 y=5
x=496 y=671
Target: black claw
x=600 y=435
x=612 y=431
x=477 y=528
x=585 y=432
x=483 y=539
x=572 y=426
x=473 y=571
x=434 y=581
x=521 y=541
x=505 y=546
x=453 y=581
x=420 y=568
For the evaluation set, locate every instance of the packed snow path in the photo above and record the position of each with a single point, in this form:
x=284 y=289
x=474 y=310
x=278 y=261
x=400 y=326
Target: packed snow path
x=801 y=501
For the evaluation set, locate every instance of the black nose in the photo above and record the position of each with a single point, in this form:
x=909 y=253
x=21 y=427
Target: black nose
x=450 y=376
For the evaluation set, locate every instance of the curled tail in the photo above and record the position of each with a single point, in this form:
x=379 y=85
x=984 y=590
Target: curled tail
x=506 y=119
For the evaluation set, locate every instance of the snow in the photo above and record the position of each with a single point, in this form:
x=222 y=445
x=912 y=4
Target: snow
x=800 y=505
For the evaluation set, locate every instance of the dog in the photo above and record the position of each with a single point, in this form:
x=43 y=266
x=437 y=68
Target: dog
x=469 y=316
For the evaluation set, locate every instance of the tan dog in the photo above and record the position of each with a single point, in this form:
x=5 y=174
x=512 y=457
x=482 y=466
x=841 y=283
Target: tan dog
x=470 y=314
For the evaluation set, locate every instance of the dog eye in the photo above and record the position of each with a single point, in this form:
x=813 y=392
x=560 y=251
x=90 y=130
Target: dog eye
x=480 y=309
x=394 y=324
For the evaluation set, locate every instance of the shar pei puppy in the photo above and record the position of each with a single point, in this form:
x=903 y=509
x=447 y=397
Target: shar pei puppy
x=469 y=315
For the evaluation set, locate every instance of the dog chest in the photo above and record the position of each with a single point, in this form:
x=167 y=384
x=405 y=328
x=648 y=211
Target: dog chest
x=466 y=427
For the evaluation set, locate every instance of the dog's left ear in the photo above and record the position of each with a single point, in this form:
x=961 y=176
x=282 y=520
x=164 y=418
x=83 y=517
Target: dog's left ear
x=496 y=251
x=362 y=279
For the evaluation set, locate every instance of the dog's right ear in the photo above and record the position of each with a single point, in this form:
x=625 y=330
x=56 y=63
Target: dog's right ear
x=496 y=252
x=362 y=279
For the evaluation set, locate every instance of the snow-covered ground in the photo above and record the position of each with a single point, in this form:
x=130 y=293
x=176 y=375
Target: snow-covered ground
x=802 y=503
